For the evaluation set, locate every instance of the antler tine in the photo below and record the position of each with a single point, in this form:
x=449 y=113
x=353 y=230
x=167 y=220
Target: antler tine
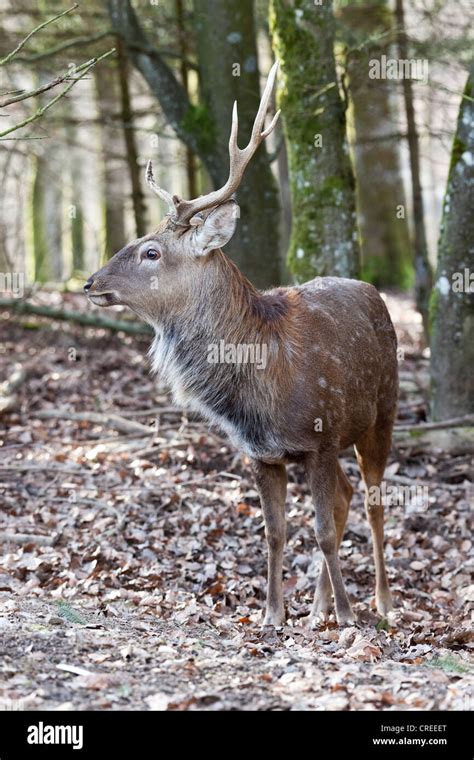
x=257 y=132
x=239 y=158
x=163 y=194
x=234 y=131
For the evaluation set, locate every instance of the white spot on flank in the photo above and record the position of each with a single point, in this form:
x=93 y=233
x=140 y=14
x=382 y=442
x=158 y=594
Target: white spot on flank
x=322 y=382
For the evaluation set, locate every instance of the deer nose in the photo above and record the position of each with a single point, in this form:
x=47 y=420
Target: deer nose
x=88 y=284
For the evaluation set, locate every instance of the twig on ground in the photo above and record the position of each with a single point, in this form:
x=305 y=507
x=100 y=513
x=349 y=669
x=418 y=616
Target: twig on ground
x=465 y=421
x=29 y=538
x=113 y=421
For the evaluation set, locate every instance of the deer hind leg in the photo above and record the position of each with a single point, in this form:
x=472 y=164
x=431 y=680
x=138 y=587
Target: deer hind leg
x=323 y=473
x=372 y=451
x=323 y=595
x=271 y=484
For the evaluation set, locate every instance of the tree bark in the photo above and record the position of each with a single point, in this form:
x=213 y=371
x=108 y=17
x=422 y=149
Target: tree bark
x=373 y=116
x=324 y=235
x=47 y=217
x=76 y=212
x=423 y=274
x=184 y=71
x=452 y=298
x=138 y=200
x=112 y=191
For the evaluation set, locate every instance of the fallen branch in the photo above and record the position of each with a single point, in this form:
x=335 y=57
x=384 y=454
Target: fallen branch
x=119 y=325
x=466 y=421
x=453 y=440
x=154 y=410
x=106 y=420
x=29 y=538
x=27 y=466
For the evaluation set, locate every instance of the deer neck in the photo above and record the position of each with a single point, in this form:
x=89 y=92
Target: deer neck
x=219 y=304
x=215 y=353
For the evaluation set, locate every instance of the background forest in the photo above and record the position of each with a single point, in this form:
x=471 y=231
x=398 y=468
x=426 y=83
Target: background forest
x=115 y=502
x=357 y=189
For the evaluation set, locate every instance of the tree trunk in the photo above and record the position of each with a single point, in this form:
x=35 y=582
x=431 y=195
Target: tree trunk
x=75 y=212
x=183 y=49
x=226 y=37
x=128 y=122
x=452 y=298
x=381 y=203
x=324 y=235
x=47 y=217
x=228 y=62
x=113 y=192
x=423 y=275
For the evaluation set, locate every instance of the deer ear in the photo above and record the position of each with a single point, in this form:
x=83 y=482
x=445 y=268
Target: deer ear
x=217 y=229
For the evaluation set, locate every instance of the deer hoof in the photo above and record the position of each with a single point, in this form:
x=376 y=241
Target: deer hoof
x=384 y=603
x=345 y=618
x=274 y=620
x=321 y=609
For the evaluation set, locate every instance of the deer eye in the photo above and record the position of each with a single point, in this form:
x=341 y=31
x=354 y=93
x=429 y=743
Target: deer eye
x=152 y=254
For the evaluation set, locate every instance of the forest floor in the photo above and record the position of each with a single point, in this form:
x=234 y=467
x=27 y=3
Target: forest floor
x=133 y=560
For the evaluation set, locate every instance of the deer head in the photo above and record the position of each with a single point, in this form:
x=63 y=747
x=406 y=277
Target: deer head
x=160 y=270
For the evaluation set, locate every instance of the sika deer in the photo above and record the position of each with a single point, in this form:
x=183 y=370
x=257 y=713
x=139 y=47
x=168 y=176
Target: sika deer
x=329 y=378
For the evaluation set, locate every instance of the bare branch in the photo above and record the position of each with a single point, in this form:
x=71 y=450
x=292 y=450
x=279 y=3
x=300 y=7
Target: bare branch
x=44 y=87
x=84 y=40
x=41 y=111
x=14 y=52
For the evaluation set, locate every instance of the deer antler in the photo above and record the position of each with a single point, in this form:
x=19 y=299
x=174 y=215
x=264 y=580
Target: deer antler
x=183 y=211
x=163 y=194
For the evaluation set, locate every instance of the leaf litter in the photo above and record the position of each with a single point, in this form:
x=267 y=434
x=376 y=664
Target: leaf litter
x=145 y=586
